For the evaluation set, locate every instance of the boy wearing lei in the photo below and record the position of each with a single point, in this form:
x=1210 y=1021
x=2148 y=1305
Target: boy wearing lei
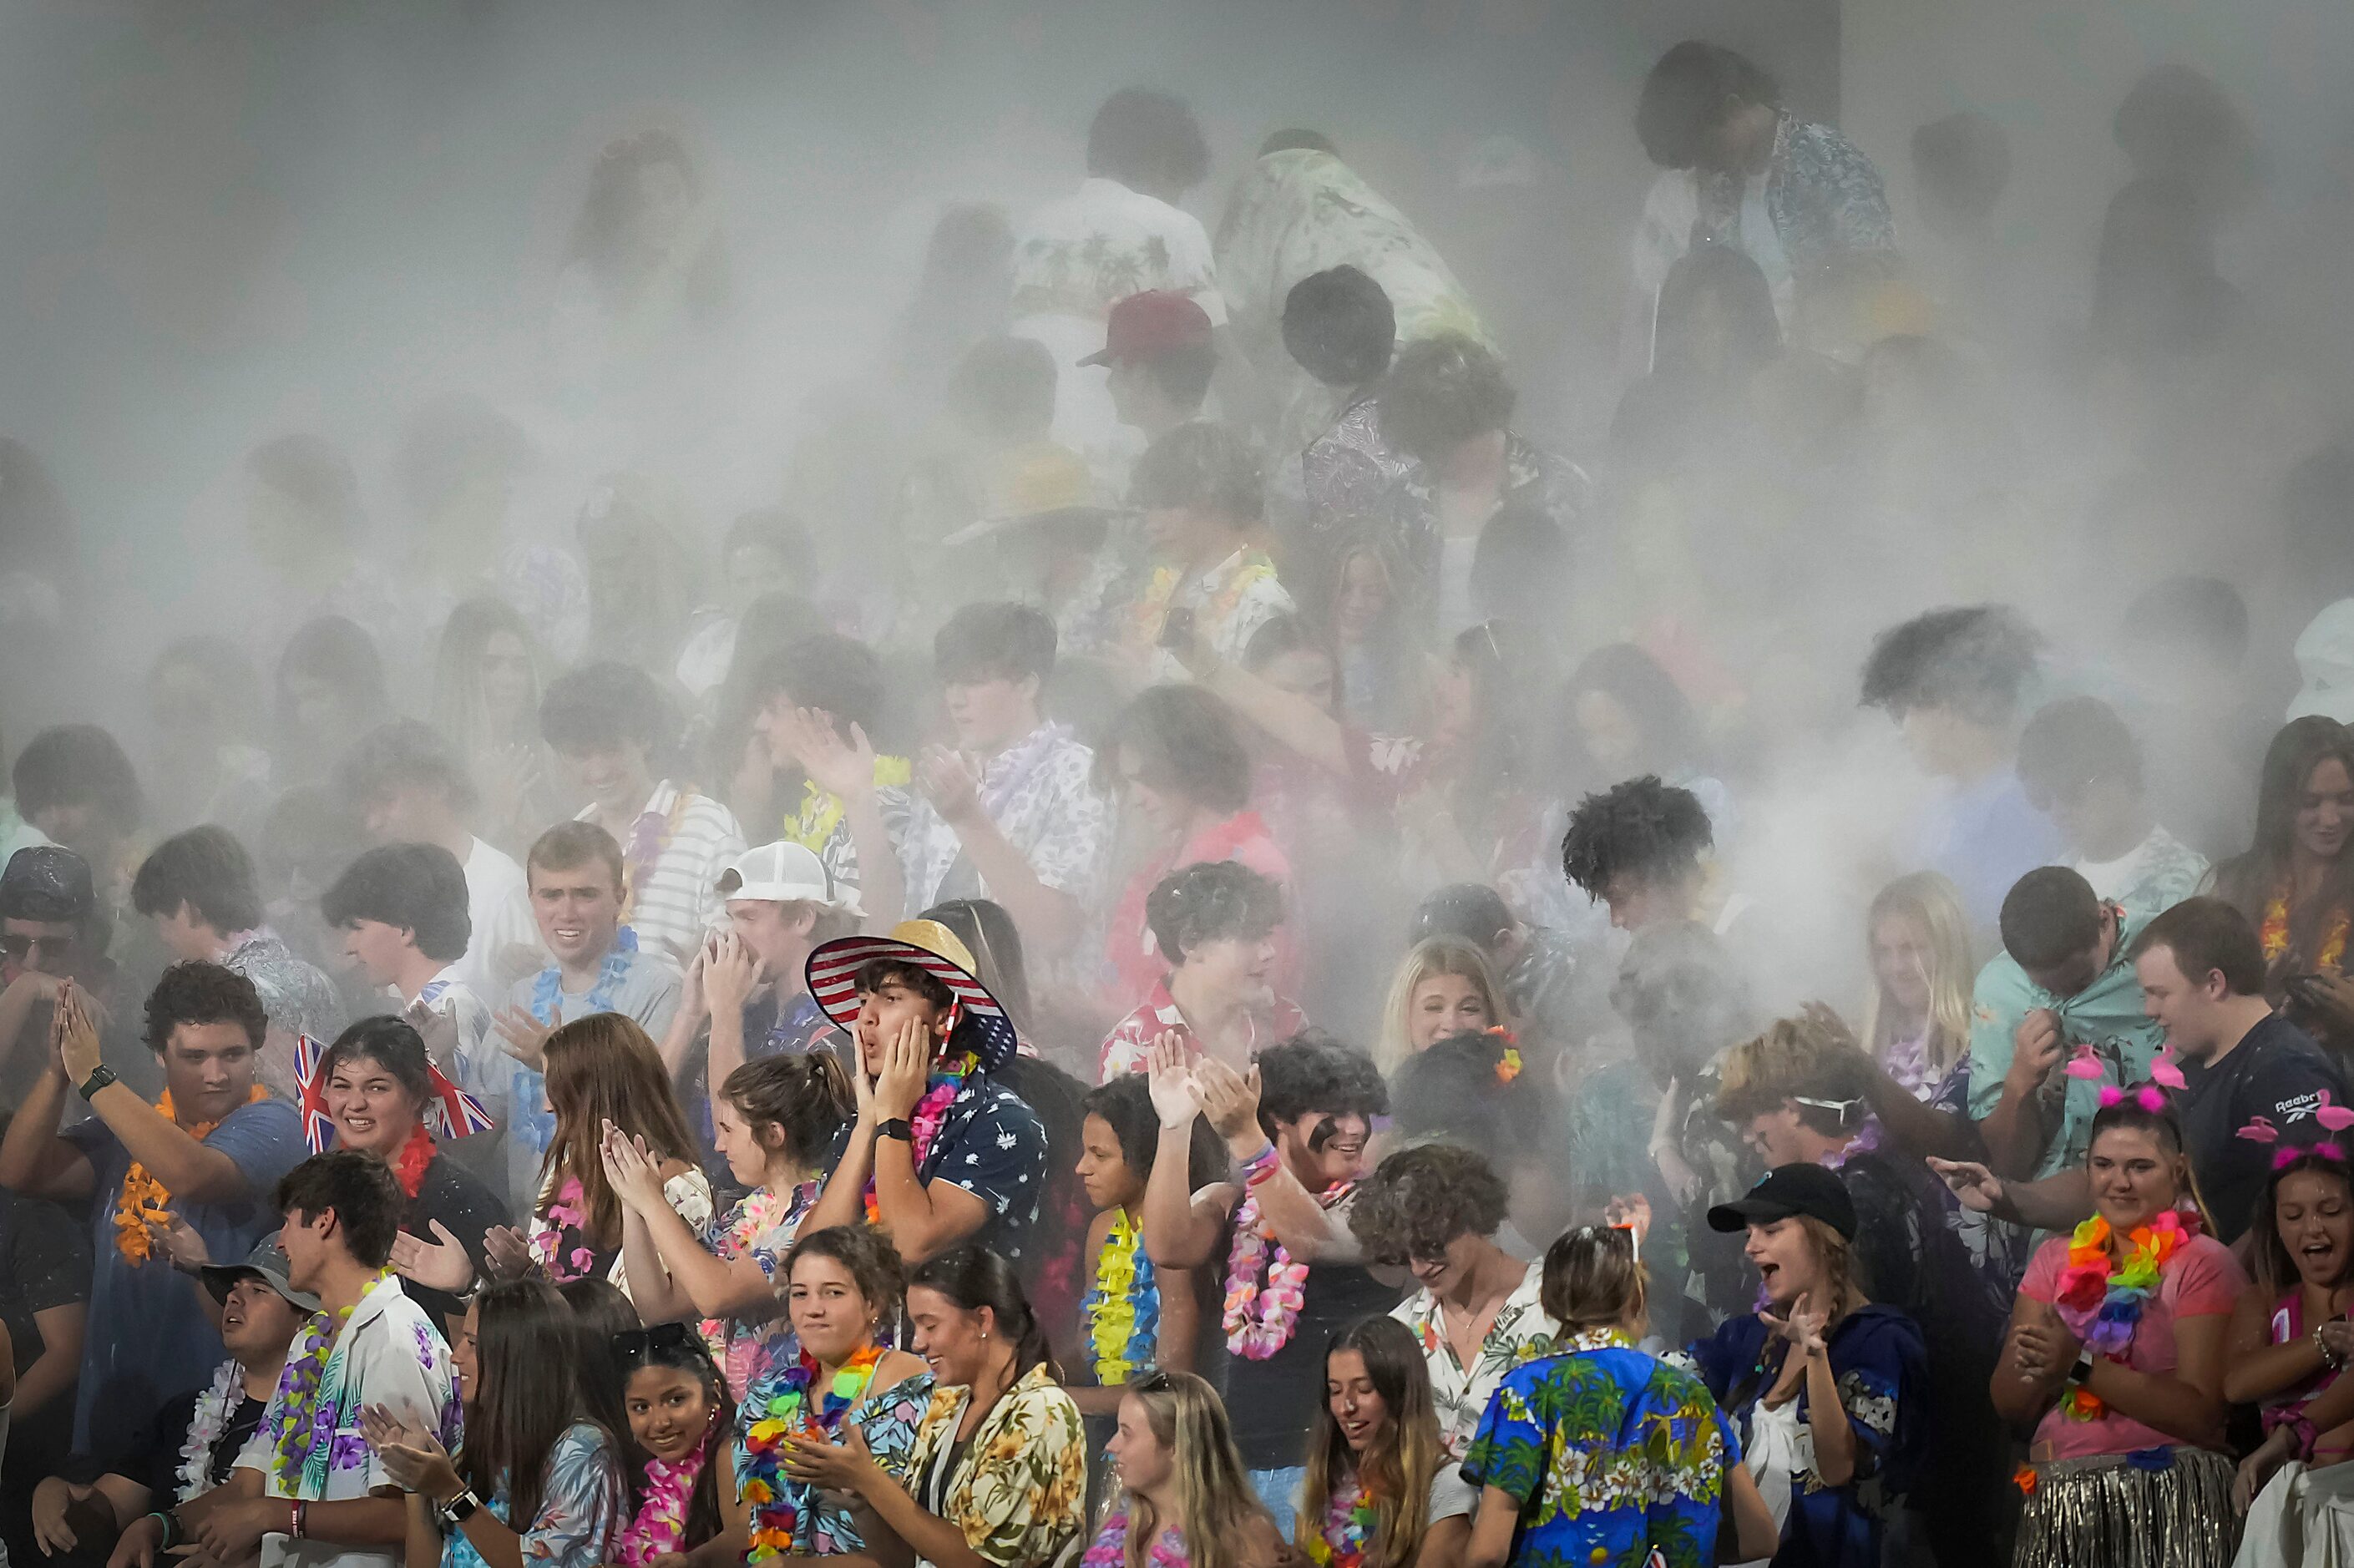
x=204 y=1158
x=941 y=1153
x=308 y=1490
x=576 y=895
x=1296 y=1126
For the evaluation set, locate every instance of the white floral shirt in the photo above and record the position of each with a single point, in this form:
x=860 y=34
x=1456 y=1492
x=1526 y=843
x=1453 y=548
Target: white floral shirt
x=1076 y=257
x=1522 y=1331
x=1040 y=793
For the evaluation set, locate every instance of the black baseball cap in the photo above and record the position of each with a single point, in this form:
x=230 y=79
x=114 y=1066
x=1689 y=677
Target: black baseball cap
x=46 y=882
x=1786 y=1192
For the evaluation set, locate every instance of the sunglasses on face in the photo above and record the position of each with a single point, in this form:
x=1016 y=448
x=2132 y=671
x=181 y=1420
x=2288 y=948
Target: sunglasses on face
x=20 y=947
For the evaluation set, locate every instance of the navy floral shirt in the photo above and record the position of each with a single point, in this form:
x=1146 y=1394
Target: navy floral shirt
x=993 y=1146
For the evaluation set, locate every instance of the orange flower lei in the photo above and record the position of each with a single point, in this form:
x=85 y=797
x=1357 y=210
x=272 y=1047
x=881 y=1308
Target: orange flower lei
x=2272 y=932
x=144 y=1202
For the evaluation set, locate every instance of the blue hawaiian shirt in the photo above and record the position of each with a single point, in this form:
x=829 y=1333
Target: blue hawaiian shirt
x=1617 y=1458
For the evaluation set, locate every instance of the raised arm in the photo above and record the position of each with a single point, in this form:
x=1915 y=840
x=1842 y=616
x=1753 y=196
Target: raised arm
x=1048 y=917
x=845 y=769
x=1181 y=1229
x=1307 y=1230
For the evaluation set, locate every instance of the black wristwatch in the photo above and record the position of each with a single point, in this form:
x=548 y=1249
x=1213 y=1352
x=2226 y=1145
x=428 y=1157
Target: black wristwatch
x=896 y=1127
x=2081 y=1374
x=100 y=1076
x=459 y=1508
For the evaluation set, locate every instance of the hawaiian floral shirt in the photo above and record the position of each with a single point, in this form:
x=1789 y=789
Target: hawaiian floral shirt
x=1616 y=1458
x=389 y=1353
x=1522 y=1331
x=583 y=1508
x=1230 y=602
x=818 y=824
x=1020 y=1493
x=1824 y=196
x=1041 y=795
x=1128 y=1046
x=887 y=1418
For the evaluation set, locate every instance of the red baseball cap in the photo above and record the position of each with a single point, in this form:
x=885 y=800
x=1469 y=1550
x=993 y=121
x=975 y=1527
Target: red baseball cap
x=1153 y=322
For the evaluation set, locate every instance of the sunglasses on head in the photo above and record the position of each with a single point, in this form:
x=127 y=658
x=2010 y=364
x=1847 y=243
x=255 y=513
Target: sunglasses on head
x=637 y=1344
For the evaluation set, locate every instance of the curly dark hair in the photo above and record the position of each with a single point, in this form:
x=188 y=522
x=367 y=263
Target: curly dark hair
x=1685 y=97
x=1208 y=900
x=1186 y=743
x=194 y=991
x=1442 y=391
x=1418 y=1199
x=1313 y=1072
x=1642 y=828
x=839 y=675
x=78 y=764
x=1973 y=659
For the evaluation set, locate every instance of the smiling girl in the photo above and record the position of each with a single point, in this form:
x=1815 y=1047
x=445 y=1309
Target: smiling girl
x=2289 y=1337
x=1379 y=1491
x=684 y=1510
x=2115 y=1356
x=1443 y=988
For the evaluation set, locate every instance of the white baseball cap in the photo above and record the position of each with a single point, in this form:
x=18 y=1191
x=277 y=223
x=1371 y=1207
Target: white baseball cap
x=785 y=873
x=2325 y=657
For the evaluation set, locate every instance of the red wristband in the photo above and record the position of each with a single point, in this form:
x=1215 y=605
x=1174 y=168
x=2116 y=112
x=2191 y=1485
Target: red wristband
x=294 y=1513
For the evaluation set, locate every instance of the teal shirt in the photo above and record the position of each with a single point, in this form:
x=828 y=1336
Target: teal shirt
x=2105 y=1015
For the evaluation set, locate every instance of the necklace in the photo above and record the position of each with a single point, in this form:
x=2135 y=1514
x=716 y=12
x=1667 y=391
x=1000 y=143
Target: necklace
x=1123 y=1309
x=660 y=1528
x=567 y=1211
x=409 y=1167
x=764 y=1211
x=2272 y=934
x=1351 y=1522
x=213 y=1408
x=2101 y=1298
x=145 y=1204
x=781 y=1511
x=303 y=1435
x=946 y=1083
x=1595 y=1340
x=1110 y=1548
x=1259 y=1320
x=650 y=838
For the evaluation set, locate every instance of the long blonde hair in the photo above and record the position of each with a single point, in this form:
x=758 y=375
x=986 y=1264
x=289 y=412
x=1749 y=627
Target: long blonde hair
x=1432 y=956
x=1931 y=902
x=1404 y=1455
x=1216 y=1505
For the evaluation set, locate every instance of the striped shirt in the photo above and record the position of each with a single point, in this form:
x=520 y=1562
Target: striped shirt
x=673 y=855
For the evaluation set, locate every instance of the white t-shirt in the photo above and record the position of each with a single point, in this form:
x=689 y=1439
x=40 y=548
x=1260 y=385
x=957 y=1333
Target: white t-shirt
x=498 y=901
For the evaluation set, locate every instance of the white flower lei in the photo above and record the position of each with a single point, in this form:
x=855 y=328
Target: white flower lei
x=213 y=1409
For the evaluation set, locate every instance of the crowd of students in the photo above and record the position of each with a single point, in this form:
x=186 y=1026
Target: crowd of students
x=831 y=1074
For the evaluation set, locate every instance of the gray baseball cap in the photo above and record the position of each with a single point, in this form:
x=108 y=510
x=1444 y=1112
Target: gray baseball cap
x=267 y=1259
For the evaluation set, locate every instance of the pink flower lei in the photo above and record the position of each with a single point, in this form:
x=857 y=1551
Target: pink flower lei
x=924 y=1121
x=1259 y=1320
x=660 y=1528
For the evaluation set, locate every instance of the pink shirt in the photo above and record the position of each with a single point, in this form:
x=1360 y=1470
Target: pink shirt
x=1135 y=956
x=2202 y=1280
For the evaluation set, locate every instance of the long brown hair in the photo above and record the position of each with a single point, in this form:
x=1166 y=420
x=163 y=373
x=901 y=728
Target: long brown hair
x=2269 y=1263
x=605 y=1068
x=529 y=1353
x=1216 y=1505
x=1404 y=1455
x=2249 y=881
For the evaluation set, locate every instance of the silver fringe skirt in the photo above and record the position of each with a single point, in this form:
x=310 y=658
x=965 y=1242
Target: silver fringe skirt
x=2120 y=1510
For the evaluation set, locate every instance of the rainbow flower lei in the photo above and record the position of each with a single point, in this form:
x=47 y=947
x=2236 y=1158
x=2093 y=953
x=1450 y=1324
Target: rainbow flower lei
x=1350 y=1524
x=1123 y=1309
x=930 y=1111
x=660 y=1528
x=2101 y=1298
x=776 y=1500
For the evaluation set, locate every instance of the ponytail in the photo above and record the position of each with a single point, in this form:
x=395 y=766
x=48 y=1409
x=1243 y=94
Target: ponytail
x=972 y=1278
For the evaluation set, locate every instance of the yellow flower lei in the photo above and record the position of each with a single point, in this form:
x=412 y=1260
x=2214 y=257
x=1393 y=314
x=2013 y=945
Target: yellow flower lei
x=1121 y=1345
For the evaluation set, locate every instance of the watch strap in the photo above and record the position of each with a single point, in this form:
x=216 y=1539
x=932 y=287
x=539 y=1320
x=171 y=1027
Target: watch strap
x=459 y=1508
x=2082 y=1373
x=897 y=1127
x=100 y=1076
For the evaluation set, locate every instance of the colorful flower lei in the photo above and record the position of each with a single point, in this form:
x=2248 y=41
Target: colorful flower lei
x=924 y=1122
x=297 y=1431
x=213 y=1407
x=776 y=1501
x=1351 y=1522
x=1123 y=1309
x=1259 y=1320
x=2101 y=1298
x=659 y=1530
x=2272 y=933
x=145 y=1205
